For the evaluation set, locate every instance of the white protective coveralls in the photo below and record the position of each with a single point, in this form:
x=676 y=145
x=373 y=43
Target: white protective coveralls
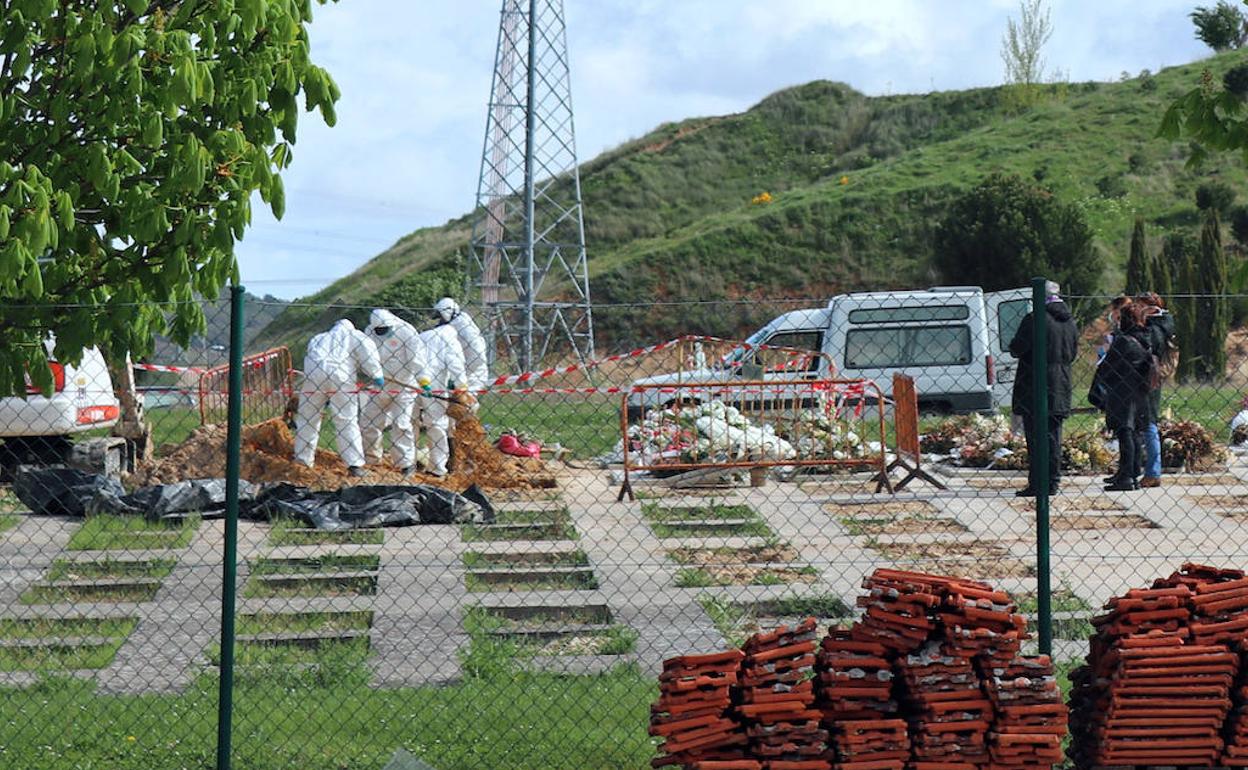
x=403 y=361
x=476 y=360
x=329 y=370
x=446 y=369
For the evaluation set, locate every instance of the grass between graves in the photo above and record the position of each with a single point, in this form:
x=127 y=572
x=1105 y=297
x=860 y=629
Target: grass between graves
x=61 y=654
x=550 y=616
x=1064 y=600
x=299 y=622
x=672 y=522
x=326 y=563
x=736 y=622
x=523 y=525
x=288 y=532
x=492 y=654
x=743 y=574
x=84 y=593
x=68 y=657
x=65 y=569
x=570 y=581
x=132 y=533
x=479 y=560
x=52 y=628
x=326 y=717
x=312 y=585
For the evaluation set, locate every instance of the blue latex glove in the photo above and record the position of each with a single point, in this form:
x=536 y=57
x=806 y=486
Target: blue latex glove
x=379 y=382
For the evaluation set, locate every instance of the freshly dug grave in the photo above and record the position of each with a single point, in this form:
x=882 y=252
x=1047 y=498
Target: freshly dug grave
x=269 y=446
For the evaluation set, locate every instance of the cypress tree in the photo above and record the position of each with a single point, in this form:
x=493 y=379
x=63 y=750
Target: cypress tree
x=1163 y=280
x=1178 y=256
x=1213 y=310
x=1139 y=266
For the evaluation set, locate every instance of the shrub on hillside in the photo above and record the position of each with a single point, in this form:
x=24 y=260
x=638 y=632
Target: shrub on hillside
x=1235 y=81
x=1006 y=230
x=1239 y=223
x=1218 y=196
x=1112 y=186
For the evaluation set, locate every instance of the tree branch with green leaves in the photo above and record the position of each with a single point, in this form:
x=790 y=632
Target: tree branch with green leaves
x=134 y=133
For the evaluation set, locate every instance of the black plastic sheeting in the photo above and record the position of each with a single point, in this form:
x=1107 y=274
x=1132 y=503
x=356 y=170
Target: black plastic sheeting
x=71 y=492
x=370 y=506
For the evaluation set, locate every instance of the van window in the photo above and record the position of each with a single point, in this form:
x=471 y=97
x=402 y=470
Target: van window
x=1009 y=316
x=800 y=340
x=908 y=346
x=909 y=314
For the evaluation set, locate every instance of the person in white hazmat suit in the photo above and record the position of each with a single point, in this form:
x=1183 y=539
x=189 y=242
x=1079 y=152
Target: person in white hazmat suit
x=403 y=361
x=329 y=370
x=448 y=311
x=446 y=370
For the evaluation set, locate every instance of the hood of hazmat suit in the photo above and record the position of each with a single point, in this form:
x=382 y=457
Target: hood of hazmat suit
x=473 y=344
x=335 y=356
x=445 y=357
x=401 y=348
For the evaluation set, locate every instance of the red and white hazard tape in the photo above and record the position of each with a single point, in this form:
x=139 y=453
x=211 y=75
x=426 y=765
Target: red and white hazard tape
x=800 y=356
x=253 y=361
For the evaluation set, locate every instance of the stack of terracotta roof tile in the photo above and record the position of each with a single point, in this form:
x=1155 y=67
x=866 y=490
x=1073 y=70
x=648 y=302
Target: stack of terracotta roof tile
x=854 y=693
x=898 y=609
x=1236 y=754
x=1160 y=675
x=855 y=678
x=949 y=714
x=1167 y=703
x=978 y=622
x=1219 y=603
x=776 y=699
x=1029 y=719
x=877 y=744
x=693 y=711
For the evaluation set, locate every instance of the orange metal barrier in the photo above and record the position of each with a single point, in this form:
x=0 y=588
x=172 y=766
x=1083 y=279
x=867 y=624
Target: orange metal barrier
x=267 y=385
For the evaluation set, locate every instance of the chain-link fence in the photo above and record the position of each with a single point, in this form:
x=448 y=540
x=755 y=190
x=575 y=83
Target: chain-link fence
x=491 y=579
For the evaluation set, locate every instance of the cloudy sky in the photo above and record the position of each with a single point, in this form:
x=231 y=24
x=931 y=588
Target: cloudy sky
x=415 y=76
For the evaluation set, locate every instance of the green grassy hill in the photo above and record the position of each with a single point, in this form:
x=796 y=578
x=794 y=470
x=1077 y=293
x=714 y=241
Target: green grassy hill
x=858 y=185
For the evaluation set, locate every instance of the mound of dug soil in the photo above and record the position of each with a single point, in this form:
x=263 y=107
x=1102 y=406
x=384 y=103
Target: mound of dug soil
x=269 y=446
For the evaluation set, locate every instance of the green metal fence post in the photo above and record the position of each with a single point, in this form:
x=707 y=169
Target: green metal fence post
x=1040 y=460
x=229 y=578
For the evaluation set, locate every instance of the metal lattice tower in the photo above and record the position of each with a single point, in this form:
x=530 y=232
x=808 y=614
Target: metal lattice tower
x=528 y=258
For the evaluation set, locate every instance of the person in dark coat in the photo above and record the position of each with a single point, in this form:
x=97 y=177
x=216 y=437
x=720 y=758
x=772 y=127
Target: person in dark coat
x=1062 y=346
x=1159 y=325
x=1121 y=382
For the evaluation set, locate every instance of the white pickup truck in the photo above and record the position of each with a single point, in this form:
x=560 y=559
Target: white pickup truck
x=952 y=340
x=38 y=429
